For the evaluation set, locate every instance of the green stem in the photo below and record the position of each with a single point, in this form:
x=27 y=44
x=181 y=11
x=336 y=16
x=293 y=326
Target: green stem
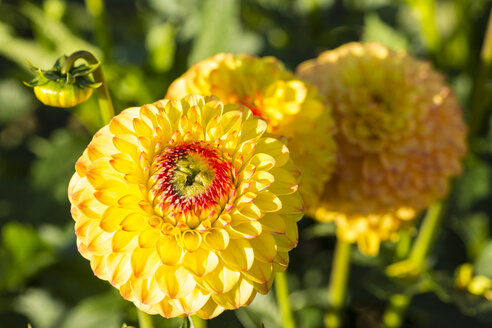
x=427 y=11
x=104 y=99
x=199 y=322
x=282 y=292
x=337 y=291
x=97 y=10
x=481 y=98
x=187 y=323
x=427 y=234
x=398 y=304
x=144 y=320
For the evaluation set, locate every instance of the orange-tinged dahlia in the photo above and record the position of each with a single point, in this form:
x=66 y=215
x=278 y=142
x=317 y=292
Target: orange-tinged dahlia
x=401 y=137
x=186 y=207
x=292 y=108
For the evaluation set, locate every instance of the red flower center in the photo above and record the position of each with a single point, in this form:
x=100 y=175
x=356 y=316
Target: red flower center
x=191 y=178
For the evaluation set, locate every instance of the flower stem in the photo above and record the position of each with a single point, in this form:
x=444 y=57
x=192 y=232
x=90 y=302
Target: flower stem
x=282 y=292
x=337 y=292
x=480 y=96
x=97 y=10
x=144 y=320
x=398 y=304
x=187 y=323
x=104 y=99
x=426 y=9
x=198 y=322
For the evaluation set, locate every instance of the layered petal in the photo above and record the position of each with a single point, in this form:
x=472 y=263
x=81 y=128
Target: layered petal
x=181 y=206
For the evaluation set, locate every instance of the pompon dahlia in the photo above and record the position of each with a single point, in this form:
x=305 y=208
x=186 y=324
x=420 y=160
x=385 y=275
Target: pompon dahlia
x=292 y=108
x=186 y=206
x=401 y=137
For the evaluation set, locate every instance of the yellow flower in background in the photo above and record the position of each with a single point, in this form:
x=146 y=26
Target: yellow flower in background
x=186 y=207
x=292 y=108
x=400 y=140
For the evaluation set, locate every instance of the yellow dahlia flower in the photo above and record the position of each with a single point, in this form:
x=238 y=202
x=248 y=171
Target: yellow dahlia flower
x=401 y=137
x=292 y=108
x=186 y=206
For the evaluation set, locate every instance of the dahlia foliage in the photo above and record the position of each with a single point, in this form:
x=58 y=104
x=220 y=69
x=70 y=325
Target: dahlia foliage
x=187 y=207
x=400 y=140
x=292 y=108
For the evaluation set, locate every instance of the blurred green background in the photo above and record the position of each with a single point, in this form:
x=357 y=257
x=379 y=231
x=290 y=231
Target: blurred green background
x=144 y=45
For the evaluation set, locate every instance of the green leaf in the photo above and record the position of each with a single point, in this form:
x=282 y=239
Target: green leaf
x=483 y=264
x=20 y=100
x=221 y=31
x=23 y=254
x=62 y=38
x=42 y=310
x=262 y=310
x=475 y=183
x=60 y=152
x=473 y=230
x=97 y=311
x=160 y=43
x=377 y=30
x=469 y=304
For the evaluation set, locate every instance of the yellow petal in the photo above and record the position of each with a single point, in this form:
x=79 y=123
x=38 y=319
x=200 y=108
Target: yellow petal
x=126 y=144
x=217 y=239
x=97 y=266
x=100 y=145
x=144 y=262
x=265 y=247
x=210 y=310
x=134 y=222
x=221 y=280
x=169 y=251
x=260 y=181
x=281 y=261
x=284 y=184
x=273 y=223
x=148 y=238
x=260 y=272
x=175 y=282
x=168 y=310
x=192 y=302
x=291 y=204
x=268 y=202
x=124 y=242
x=89 y=205
x=262 y=161
x=274 y=148
x=146 y=290
x=123 y=163
x=111 y=218
x=238 y=256
x=98 y=242
x=191 y=240
x=253 y=129
x=236 y=297
x=368 y=243
x=200 y=262
x=141 y=128
x=122 y=123
x=118 y=268
x=247 y=230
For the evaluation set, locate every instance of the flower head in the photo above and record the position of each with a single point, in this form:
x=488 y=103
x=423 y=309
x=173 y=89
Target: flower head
x=401 y=137
x=292 y=108
x=186 y=207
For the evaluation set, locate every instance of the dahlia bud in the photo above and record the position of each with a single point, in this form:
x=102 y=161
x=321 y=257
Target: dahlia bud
x=64 y=87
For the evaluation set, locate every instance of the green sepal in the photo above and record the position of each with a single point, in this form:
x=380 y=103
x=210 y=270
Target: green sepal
x=77 y=75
